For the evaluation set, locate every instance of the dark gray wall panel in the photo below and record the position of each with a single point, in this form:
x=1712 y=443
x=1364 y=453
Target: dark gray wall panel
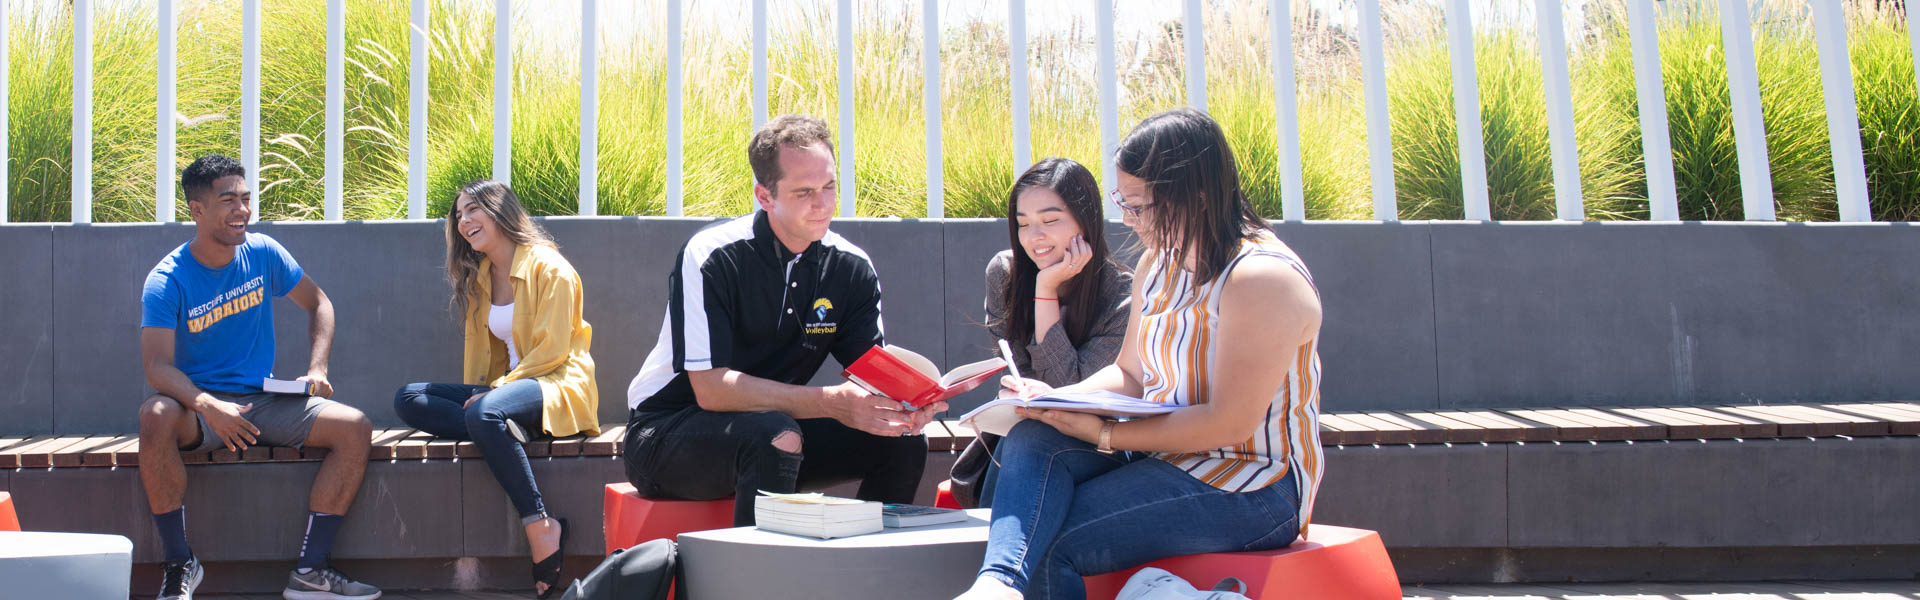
x=1782 y=492
x=573 y=488
x=86 y=501
x=404 y=509
x=26 y=358
x=623 y=264
x=970 y=245
x=1543 y=314
x=98 y=383
x=1376 y=330
x=908 y=256
x=392 y=321
x=1420 y=496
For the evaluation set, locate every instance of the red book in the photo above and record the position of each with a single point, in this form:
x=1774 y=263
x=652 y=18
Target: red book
x=903 y=375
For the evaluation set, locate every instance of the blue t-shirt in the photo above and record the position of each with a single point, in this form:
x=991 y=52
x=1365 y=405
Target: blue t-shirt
x=222 y=319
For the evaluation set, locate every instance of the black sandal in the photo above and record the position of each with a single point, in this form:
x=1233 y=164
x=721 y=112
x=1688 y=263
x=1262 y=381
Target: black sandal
x=547 y=570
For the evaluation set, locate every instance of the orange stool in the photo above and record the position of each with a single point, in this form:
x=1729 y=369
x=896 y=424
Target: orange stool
x=8 y=520
x=1330 y=563
x=631 y=519
x=943 y=498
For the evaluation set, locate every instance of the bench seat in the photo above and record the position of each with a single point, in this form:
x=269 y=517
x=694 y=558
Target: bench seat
x=1336 y=429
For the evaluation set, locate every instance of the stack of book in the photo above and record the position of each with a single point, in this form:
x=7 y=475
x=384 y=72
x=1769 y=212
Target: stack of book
x=815 y=515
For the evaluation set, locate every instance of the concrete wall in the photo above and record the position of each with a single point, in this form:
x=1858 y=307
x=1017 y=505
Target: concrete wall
x=1418 y=315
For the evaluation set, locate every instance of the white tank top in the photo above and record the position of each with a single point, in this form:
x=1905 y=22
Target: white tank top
x=500 y=323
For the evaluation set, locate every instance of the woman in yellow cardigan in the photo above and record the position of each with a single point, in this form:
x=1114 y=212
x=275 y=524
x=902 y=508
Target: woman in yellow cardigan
x=527 y=370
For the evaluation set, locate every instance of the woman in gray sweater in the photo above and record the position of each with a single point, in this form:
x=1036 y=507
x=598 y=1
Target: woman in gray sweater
x=1056 y=296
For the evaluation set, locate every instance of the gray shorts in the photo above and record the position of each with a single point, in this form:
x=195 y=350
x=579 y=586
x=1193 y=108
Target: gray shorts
x=283 y=419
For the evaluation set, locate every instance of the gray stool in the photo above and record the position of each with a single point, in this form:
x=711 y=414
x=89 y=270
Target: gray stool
x=935 y=562
x=45 y=564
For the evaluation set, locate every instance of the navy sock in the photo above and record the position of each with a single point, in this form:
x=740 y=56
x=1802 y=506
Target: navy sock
x=173 y=534
x=314 y=549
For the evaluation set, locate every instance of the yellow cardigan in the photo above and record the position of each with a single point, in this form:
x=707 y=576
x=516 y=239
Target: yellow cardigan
x=550 y=334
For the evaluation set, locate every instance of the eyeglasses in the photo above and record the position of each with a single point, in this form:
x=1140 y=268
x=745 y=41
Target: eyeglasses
x=1128 y=210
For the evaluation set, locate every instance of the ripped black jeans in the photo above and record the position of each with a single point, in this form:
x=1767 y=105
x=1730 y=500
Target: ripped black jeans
x=697 y=454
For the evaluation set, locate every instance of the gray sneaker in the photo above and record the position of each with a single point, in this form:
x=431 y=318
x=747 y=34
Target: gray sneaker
x=326 y=584
x=178 y=579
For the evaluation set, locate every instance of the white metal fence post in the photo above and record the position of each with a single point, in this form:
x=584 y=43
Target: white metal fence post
x=82 y=192
x=1108 y=75
x=589 y=109
x=250 y=99
x=1843 y=116
x=1566 y=153
x=930 y=95
x=336 y=105
x=1191 y=32
x=503 y=91
x=1656 y=144
x=1286 y=104
x=1466 y=111
x=417 y=111
x=1373 y=68
x=1749 y=130
x=675 y=72
x=1017 y=69
x=164 y=152
x=844 y=18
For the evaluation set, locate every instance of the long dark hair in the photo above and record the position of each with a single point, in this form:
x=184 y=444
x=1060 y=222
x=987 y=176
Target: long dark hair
x=1196 y=202
x=463 y=262
x=1080 y=300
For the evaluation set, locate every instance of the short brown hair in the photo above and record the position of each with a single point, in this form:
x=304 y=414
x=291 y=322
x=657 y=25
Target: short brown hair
x=798 y=131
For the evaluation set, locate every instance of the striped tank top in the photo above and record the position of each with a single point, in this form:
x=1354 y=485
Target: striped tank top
x=1178 y=321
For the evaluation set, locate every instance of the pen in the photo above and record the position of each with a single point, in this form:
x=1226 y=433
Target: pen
x=1006 y=351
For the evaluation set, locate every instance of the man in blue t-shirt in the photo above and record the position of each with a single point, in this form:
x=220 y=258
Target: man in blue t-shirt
x=206 y=341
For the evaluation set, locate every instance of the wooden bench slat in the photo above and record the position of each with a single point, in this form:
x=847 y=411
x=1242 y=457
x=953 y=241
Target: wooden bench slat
x=1856 y=425
x=1898 y=423
x=1791 y=425
x=40 y=455
x=1682 y=425
x=566 y=447
x=10 y=455
x=1331 y=434
x=1389 y=432
x=1749 y=428
x=101 y=454
x=1352 y=433
x=608 y=442
x=125 y=454
x=1637 y=429
x=384 y=441
x=412 y=446
x=1904 y=407
x=1501 y=427
x=1566 y=428
x=442 y=448
x=1450 y=429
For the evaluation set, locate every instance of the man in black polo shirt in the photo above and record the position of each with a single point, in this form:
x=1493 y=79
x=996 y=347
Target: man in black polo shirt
x=721 y=407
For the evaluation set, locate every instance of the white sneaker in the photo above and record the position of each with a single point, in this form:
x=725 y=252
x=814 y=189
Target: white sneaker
x=178 y=579
x=1157 y=584
x=326 y=584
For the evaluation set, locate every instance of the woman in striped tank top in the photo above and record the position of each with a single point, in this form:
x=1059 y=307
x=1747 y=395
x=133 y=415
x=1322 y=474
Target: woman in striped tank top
x=1226 y=325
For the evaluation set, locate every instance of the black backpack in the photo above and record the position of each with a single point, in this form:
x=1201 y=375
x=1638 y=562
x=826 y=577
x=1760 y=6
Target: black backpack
x=643 y=572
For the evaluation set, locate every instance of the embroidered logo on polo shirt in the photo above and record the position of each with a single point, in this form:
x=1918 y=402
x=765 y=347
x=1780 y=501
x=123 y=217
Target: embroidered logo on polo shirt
x=820 y=308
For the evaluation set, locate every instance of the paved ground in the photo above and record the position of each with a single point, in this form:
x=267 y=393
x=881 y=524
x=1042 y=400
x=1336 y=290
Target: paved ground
x=1803 y=590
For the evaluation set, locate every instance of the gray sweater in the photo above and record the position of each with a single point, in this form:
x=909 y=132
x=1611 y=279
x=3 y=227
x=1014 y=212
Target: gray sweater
x=1056 y=361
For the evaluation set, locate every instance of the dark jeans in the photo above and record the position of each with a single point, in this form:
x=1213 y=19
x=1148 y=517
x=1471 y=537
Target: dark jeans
x=696 y=454
x=436 y=408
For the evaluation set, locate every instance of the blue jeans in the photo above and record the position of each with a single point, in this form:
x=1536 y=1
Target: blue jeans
x=1062 y=510
x=436 y=408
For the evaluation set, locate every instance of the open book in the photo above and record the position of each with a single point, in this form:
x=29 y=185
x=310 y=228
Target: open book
x=903 y=375
x=997 y=415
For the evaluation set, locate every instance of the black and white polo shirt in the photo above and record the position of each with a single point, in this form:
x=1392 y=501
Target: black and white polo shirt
x=739 y=299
